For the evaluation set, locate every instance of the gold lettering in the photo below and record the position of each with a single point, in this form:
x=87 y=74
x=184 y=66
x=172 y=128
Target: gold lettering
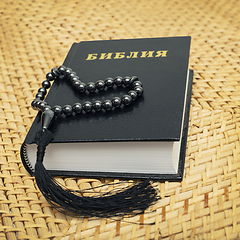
x=147 y=54
x=133 y=55
x=92 y=56
x=161 y=53
x=119 y=55
x=106 y=56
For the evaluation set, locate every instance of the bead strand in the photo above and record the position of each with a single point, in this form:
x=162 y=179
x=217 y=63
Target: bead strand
x=131 y=82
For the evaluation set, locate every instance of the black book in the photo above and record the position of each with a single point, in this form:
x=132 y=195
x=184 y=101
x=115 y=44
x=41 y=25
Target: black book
x=146 y=139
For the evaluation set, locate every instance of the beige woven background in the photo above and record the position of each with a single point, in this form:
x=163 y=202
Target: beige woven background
x=36 y=35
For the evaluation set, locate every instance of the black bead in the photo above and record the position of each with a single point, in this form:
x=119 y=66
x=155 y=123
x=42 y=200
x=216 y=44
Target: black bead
x=68 y=71
x=46 y=107
x=33 y=104
x=132 y=80
x=67 y=110
x=100 y=85
x=55 y=72
x=97 y=105
x=116 y=102
x=42 y=105
x=42 y=90
x=126 y=100
x=72 y=75
x=77 y=108
x=126 y=81
x=37 y=104
x=118 y=81
x=62 y=69
x=81 y=87
x=40 y=96
x=139 y=90
x=109 y=82
x=136 y=84
x=76 y=78
x=57 y=110
x=46 y=84
x=107 y=105
x=133 y=94
x=50 y=76
x=76 y=84
x=87 y=106
x=91 y=87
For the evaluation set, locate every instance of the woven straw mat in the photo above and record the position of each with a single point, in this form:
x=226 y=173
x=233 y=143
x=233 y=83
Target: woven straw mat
x=36 y=36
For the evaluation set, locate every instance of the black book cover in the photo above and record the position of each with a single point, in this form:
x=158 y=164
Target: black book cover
x=161 y=64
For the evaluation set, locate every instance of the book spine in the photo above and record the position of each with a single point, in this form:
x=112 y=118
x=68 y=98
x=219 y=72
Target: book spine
x=25 y=160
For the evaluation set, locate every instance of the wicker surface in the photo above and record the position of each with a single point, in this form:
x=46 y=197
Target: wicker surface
x=36 y=35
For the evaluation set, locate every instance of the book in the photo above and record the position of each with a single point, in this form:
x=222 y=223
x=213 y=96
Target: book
x=146 y=139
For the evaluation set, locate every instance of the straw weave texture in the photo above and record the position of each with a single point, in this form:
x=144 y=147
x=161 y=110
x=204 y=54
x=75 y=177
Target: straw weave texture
x=36 y=36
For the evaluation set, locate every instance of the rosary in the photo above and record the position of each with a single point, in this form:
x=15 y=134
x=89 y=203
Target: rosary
x=131 y=82
x=127 y=201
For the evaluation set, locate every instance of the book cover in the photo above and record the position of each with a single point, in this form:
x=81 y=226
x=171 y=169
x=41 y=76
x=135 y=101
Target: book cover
x=160 y=115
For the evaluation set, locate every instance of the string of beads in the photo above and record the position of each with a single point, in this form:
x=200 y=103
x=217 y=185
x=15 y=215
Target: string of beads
x=135 y=86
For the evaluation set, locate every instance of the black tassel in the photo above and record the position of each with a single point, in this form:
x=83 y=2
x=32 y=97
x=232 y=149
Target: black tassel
x=128 y=201
x=125 y=202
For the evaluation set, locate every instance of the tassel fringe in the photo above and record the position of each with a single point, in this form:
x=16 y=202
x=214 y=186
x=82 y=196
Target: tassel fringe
x=128 y=201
